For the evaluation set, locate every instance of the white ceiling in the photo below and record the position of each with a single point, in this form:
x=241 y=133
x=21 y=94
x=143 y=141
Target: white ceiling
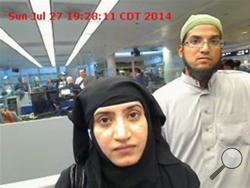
x=112 y=36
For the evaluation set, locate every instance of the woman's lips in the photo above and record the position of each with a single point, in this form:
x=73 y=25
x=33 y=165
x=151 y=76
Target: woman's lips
x=125 y=149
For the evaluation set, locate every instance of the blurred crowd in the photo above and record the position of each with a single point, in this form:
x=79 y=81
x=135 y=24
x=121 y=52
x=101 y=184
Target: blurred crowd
x=230 y=64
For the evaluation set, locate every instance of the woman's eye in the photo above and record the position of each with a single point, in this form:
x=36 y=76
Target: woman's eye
x=104 y=121
x=134 y=115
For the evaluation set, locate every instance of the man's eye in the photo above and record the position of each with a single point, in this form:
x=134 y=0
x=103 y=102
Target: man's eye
x=134 y=115
x=215 y=41
x=195 y=41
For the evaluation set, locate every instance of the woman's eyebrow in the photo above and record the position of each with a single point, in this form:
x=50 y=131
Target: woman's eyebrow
x=133 y=106
x=111 y=113
x=103 y=113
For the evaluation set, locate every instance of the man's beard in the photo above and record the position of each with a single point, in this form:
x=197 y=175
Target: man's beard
x=201 y=74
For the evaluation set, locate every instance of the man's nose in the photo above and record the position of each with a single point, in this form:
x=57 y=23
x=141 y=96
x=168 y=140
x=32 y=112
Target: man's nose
x=205 y=48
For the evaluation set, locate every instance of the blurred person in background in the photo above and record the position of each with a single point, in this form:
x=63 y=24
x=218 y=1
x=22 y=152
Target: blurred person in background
x=237 y=64
x=81 y=79
x=50 y=85
x=21 y=87
x=74 y=88
x=228 y=64
x=8 y=116
x=62 y=80
x=140 y=77
x=7 y=88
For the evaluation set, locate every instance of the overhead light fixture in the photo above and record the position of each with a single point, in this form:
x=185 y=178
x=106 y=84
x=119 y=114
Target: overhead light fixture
x=128 y=54
x=104 y=7
x=151 y=53
x=41 y=13
x=13 y=44
x=122 y=54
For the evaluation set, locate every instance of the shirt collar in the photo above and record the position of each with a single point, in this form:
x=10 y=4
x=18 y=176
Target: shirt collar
x=191 y=81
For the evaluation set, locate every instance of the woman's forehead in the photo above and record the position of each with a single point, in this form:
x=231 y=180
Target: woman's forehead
x=125 y=105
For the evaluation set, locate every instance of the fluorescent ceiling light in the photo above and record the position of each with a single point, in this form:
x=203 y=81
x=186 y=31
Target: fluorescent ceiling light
x=105 y=6
x=45 y=26
x=123 y=54
x=151 y=53
x=13 y=44
x=128 y=54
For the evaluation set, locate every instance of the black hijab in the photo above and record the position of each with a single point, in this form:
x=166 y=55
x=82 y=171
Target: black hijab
x=151 y=170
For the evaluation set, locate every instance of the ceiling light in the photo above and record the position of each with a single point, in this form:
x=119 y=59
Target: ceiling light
x=151 y=53
x=103 y=7
x=13 y=44
x=122 y=54
x=45 y=26
x=244 y=32
x=130 y=54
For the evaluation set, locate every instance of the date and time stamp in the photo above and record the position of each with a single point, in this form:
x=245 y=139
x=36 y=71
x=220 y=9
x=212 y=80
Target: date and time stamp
x=87 y=16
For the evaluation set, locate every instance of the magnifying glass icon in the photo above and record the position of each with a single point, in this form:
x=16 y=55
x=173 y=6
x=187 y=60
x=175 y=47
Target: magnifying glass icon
x=231 y=158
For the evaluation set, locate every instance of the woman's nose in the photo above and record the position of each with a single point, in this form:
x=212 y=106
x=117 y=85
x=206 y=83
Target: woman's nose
x=121 y=130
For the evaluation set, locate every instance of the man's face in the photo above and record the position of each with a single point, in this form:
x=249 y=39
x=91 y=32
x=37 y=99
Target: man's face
x=63 y=78
x=201 y=61
x=82 y=73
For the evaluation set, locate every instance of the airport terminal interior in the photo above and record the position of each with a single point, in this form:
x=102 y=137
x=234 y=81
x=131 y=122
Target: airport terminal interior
x=49 y=49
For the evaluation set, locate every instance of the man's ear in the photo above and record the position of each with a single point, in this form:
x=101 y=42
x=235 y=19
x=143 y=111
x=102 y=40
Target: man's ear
x=180 y=49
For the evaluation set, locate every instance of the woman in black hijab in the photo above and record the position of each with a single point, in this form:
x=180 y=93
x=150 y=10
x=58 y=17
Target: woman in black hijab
x=107 y=158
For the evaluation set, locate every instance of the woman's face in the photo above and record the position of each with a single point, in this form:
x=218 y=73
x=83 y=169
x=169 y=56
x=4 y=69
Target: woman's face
x=121 y=132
